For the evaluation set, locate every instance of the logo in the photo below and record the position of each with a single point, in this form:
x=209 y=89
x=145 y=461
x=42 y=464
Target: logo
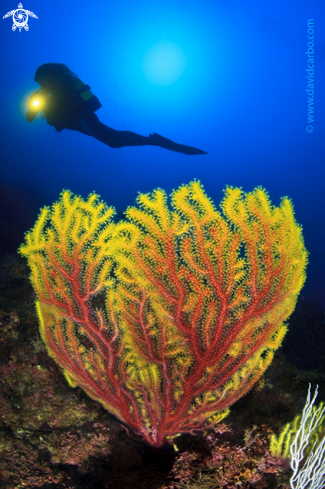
x=20 y=18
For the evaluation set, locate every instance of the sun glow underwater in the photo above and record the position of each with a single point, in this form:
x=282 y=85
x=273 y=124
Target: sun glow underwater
x=164 y=63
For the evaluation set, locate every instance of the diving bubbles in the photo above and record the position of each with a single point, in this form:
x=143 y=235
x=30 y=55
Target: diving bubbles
x=164 y=63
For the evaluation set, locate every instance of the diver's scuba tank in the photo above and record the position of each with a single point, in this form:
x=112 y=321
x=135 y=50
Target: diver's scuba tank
x=62 y=96
x=90 y=101
x=41 y=100
x=58 y=74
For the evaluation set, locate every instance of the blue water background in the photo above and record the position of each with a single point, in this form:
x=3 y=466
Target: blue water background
x=242 y=98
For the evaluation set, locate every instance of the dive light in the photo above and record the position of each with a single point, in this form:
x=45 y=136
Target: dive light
x=36 y=103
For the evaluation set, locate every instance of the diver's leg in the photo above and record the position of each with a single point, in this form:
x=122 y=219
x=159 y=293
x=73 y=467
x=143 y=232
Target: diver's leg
x=157 y=140
x=77 y=126
x=109 y=136
x=90 y=124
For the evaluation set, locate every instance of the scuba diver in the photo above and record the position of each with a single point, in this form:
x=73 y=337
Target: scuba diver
x=67 y=103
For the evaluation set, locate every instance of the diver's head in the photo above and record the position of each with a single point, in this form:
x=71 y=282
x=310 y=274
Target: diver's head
x=48 y=73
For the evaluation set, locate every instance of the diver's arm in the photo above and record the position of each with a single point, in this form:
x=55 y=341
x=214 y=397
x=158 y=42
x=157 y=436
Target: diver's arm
x=31 y=114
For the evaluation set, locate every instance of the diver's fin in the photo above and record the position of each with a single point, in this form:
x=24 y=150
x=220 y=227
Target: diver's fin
x=157 y=140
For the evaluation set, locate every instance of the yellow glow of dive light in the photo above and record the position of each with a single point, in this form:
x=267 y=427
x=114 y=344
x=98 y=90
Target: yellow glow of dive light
x=37 y=102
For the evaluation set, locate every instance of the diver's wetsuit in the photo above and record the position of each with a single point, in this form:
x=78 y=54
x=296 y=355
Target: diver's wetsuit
x=69 y=104
x=90 y=124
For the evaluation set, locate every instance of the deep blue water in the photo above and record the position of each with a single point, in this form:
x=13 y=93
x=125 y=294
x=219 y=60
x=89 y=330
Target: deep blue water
x=228 y=77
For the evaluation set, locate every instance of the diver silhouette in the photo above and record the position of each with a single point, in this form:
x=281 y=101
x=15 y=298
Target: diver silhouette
x=68 y=103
